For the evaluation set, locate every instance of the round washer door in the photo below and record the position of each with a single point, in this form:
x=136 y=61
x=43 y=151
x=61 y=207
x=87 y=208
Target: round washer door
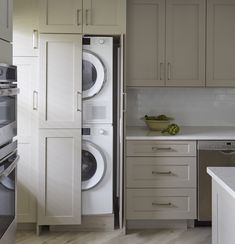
x=93 y=165
x=93 y=74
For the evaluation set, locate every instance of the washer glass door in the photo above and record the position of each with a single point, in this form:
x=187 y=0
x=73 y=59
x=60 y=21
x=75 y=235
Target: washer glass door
x=93 y=74
x=93 y=165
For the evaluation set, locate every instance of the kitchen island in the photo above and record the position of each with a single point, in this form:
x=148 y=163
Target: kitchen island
x=223 y=204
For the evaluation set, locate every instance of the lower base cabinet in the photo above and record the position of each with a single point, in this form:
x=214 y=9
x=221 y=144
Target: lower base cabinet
x=59 y=199
x=161 y=180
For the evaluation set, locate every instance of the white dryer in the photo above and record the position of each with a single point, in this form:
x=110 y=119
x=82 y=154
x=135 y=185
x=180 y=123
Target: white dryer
x=97 y=79
x=97 y=170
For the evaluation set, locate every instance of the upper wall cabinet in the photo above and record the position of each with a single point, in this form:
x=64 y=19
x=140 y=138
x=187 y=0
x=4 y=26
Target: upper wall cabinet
x=60 y=98
x=104 y=16
x=60 y=16
x=145 y=42
x=185 y=43
x=178 y=60
x=6 y=20
x=83 y=16
x=221 y=43
x=25 y=28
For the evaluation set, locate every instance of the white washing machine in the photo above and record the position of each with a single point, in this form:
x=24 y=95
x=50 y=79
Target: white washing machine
x=97 y=80
x=97 y=169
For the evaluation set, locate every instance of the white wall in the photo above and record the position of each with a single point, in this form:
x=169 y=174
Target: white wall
x=189 y=106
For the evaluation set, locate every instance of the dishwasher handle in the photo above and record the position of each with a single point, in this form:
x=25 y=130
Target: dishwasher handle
x=227 y=152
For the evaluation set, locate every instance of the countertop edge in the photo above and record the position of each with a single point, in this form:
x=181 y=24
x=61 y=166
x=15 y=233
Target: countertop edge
x=220 y=181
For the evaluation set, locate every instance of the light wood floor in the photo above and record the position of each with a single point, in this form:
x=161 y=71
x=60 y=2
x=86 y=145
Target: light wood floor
x=191 y=236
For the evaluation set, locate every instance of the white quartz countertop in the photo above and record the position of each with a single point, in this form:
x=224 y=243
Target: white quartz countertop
x=225 y=177
x=186 y=133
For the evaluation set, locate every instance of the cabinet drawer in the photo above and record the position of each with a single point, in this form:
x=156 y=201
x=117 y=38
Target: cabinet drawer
x=161 y=172
x=161 y=204
x=161 y=148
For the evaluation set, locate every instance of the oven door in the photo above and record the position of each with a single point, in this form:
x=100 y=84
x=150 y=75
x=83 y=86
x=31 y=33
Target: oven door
x=8 y=197
x=8 y=108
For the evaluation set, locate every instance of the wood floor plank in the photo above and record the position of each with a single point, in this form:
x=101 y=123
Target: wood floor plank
x=190 y=236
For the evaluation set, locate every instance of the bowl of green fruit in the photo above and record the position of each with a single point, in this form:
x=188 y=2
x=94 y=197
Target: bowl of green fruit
x=157 y=123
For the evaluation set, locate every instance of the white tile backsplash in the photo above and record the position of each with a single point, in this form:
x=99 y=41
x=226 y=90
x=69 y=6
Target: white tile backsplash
x=189 y=106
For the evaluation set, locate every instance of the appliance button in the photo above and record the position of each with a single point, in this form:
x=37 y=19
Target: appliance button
x=101 y=132
x=101 y=41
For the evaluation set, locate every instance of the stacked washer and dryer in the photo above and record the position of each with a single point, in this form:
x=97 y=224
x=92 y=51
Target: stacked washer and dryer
x=98 y=126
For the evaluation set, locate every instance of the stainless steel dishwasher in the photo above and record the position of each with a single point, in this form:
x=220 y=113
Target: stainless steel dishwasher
x=211 y=154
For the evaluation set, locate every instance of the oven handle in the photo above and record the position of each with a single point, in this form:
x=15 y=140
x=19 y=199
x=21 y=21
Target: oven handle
x=9 y=169
x=9 y=92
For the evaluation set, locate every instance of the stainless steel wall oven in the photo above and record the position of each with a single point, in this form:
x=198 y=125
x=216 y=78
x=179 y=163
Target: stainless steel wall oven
x=8 y=152
x=8 y=102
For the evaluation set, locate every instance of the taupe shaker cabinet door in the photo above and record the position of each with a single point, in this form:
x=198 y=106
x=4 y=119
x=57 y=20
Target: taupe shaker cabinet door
x=6 y=20
x=220 y=43
x=25 y=28
x=166 y=42
x=104 y=16
x=83 y=16
x=60 y=98
x=59 y=201
x=185 y=42
x=145 y=42
x=60 y=16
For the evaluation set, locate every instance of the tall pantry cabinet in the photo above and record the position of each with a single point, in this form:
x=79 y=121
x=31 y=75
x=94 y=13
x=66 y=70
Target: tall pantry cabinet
x=60 y=106
x=25 y=56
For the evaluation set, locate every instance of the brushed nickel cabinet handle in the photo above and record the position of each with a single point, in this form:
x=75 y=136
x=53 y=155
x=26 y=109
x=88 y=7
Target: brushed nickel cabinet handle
x=79 y=103
x=78 y=17
x=161 y=149
x=169 y=71
x=161 y=66
x=161 y=204
x=35 y=100
x=35 y=39
x=161 y=173
x=88 y=19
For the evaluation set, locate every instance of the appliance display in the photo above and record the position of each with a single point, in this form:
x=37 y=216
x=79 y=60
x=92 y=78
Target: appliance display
x=97 y=81
x=8 y=102
x=8 y=162
x=97 y=169
x=211 y=154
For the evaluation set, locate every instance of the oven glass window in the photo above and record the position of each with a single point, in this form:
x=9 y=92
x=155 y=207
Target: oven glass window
x=89 y=165
x=7 y=197
x=89 y=75
x=7 y=110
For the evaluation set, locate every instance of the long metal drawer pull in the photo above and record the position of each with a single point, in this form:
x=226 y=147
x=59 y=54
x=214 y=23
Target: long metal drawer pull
x=161 y=173
x=161 y=148
x=161 y=204
x=87 y=15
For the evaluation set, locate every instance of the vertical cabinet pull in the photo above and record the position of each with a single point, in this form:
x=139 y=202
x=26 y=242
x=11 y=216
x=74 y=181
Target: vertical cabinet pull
x=35 y=39
x=161 y=66
x=35 y=100
x=79 y=17
x=169 y=70
x=124 y=102
x=79 y=101
x=88 y=17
